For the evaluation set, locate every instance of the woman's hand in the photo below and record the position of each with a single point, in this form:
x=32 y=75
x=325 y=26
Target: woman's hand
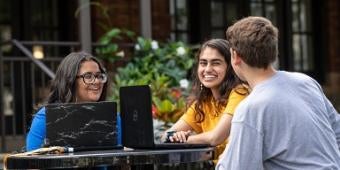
x=180 y=136
x=179 y=126
x=166 y=135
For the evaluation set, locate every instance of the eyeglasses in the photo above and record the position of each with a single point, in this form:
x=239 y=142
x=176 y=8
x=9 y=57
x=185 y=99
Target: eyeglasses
x=89 y=77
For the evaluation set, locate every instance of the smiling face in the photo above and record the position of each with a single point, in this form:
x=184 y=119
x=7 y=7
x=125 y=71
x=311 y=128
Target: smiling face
x=88 y=92
x=212 y=68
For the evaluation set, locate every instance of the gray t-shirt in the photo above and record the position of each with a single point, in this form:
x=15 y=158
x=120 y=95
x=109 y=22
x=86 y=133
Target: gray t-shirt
x=285 y=123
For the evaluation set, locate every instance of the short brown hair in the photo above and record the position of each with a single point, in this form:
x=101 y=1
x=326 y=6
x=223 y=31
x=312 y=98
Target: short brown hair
x=255 y=39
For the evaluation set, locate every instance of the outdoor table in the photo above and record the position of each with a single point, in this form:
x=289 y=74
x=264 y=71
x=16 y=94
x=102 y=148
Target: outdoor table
x=124 y=159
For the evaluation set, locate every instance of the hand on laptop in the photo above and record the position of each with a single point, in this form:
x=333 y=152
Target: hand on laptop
x=179 y=137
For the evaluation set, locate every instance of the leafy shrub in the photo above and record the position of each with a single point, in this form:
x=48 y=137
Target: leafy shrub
x=163 y=66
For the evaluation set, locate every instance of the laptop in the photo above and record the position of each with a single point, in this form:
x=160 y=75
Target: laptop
x=137 y=122
x=82 y=126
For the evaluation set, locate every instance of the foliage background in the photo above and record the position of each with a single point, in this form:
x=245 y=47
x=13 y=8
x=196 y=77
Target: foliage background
x=163 y=66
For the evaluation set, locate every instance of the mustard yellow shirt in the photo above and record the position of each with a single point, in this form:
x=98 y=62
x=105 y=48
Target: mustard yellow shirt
x=211 y=118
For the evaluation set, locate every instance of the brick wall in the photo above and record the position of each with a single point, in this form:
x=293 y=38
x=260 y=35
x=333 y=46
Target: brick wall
x=332 y=87
x=161 y=20
x=334 y=35
x=125 y=14
x=121 y=14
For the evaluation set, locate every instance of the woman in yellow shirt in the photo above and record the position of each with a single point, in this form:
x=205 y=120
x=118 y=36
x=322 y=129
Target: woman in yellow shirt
x=216 y=93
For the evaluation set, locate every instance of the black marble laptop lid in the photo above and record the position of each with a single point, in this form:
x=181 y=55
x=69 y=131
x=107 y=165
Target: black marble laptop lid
x=81 y=125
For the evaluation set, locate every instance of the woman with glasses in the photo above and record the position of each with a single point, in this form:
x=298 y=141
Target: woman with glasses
x=80 y=77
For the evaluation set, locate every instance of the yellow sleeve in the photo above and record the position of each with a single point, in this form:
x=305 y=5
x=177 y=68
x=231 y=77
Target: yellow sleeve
x=189 y=118
x=235 y=97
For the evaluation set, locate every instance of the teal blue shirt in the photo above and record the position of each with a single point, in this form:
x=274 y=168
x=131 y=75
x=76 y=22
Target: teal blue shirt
x=36 y=135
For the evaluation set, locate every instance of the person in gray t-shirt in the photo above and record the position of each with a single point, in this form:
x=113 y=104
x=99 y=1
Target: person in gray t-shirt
x=286 y=122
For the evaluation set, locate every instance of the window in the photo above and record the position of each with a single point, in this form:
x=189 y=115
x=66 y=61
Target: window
x=44 y=20
x=223 y=13
x=217 y=19
x=5 y=27
x=302 y=35
x=265 y=8
x=204 y=24
x=179 y=20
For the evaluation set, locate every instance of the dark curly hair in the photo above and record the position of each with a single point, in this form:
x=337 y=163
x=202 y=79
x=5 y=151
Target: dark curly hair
x=204 y=95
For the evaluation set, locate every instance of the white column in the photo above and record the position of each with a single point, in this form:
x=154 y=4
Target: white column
x=85 y=25
x=145 y=18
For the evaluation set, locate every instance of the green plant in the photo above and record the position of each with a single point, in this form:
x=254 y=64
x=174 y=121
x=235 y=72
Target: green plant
x=108 y=49
x=162 y=66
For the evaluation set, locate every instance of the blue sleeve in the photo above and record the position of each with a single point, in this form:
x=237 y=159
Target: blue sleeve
x=119 y=130
x=37 y=133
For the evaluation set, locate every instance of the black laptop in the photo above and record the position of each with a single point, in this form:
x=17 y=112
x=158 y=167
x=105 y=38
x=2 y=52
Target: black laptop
x=137 y=122
x=82 y=126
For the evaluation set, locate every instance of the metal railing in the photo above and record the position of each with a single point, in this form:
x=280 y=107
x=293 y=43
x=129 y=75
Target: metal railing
x=24 y=82
x=29 y=54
